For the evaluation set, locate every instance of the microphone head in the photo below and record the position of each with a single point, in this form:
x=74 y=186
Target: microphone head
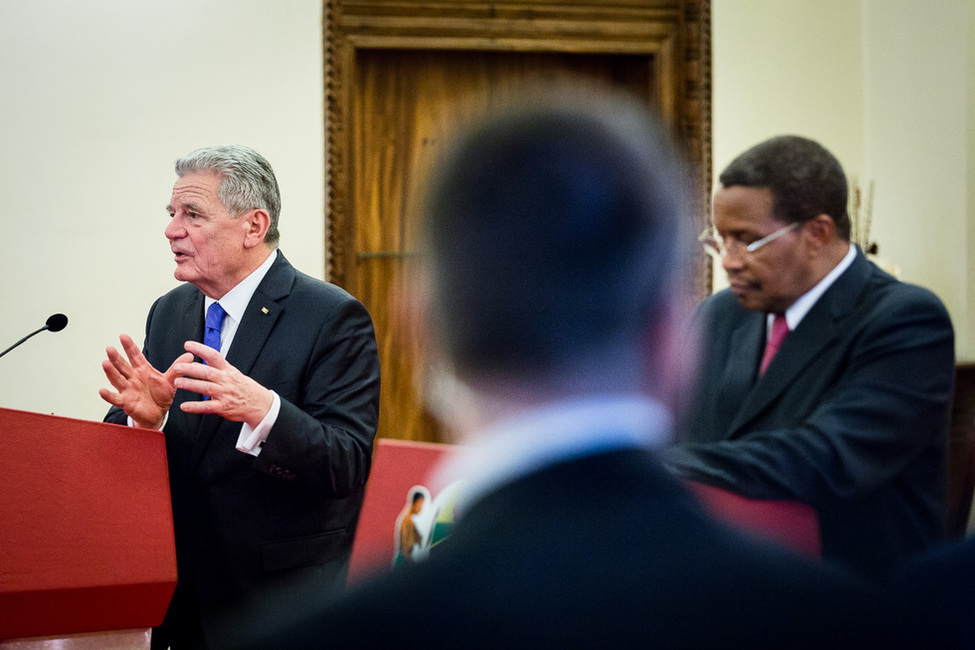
x=57 y=322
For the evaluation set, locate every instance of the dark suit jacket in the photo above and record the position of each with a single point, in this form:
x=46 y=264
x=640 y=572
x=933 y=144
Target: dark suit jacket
x=600 y=552
x=940 y=586
x=245 y=525
x=850 y=417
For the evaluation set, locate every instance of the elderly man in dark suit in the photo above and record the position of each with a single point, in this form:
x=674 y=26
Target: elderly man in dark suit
x=267 y=468
x=555 y=250
x=851 y=414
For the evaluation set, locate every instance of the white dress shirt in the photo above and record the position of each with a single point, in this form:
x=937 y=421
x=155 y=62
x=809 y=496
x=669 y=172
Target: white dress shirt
x=558 y=432
x=795 y=313
x=234 y=303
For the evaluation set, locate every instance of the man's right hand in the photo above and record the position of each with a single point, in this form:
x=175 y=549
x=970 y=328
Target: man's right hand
x=144 y=393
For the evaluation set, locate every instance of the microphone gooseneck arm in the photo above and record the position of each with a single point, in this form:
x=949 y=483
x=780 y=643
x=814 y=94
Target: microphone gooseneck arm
x=55 y=323
x=37 y=331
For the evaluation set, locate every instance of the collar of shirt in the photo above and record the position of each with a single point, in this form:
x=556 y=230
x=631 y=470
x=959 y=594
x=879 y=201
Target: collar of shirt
x=558 y=432
x=235 y=302
x=801 y=307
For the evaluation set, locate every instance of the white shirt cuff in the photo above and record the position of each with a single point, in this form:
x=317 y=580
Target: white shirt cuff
x=161 y=426
x=251 y=439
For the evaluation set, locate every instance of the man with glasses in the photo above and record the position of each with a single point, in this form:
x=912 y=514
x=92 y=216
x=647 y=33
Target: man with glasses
x=549 y=294
x=823 y=379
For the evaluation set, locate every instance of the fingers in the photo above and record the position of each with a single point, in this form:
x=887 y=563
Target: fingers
x=178 y=367
x=205 y=352
x=132 y=351
x=205 y=379
x=187 y=370
x=123 y=368
x=201 y=386
x=118 y=371
x=233 y=395
x=202 y=379
x=112 y=372
x=201 y=407
x=115 y=359
x=112 y=398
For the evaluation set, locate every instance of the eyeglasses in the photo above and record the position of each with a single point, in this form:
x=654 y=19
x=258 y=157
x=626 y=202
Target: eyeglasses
x=716 y=246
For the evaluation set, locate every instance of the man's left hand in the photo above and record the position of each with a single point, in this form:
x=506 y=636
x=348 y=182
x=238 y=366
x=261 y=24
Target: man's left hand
x=233 y=395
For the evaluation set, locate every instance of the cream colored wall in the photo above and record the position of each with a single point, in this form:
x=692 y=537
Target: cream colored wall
x=884 y=84
x=97 y=99
x=787 y=66
x=968 y=351
x=917 y=133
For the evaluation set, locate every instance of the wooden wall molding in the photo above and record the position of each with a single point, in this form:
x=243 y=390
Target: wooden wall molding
x=393 y=72
x=675 y=33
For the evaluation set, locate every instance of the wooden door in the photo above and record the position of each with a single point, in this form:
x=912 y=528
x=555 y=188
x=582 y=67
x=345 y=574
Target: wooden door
x=393 y=104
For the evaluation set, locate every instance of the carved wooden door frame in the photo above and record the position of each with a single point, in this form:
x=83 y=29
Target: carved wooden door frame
x=674 y=34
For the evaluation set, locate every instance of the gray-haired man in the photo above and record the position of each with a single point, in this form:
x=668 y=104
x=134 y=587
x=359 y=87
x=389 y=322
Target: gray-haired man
x=266 y=384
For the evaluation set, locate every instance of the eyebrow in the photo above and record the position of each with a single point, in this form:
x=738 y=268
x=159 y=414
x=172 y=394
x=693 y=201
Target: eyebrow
x=190 y=206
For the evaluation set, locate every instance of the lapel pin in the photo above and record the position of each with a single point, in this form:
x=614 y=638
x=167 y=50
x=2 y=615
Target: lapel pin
x=264 y=310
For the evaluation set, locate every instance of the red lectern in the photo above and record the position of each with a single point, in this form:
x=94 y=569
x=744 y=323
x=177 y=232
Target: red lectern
x=399 y=466
x=86 y=527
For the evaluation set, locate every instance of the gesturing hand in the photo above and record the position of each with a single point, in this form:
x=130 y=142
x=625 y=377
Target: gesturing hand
x=233 y=395
x=144 y=393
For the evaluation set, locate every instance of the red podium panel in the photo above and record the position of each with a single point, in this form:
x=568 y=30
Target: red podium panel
x=397 y=466
x=400 y=466
x=86 y=526
x=790 y=523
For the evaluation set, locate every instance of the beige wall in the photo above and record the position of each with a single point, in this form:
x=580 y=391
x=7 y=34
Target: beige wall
x=787 y=66
x=885 y=85
x=99 y=97
x=917 y=133
x=968 y=179
x=774 y=73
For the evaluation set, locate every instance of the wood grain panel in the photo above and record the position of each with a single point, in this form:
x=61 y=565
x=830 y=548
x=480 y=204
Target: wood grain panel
x=405 y=107
x=396 y=71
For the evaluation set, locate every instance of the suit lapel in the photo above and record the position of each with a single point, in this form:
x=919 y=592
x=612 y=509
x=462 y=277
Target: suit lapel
x=816 y=331
x=820 y=328
x=743 y=353
x=189 y=327
x=255 y=327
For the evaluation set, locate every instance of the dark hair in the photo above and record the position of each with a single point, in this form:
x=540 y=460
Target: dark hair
x=553 y=232
x=805 y=179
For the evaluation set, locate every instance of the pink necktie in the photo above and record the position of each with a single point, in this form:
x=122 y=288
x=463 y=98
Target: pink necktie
x=779 y=329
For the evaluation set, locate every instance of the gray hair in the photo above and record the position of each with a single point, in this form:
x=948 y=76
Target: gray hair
x=248 y=181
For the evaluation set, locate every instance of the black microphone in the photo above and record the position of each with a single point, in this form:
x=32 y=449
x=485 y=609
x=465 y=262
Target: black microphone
x=55 y=323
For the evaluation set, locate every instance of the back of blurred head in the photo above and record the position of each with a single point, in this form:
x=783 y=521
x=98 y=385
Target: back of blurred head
x=556 y=238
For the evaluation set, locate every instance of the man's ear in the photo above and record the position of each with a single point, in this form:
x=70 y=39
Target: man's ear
x=256 y=224
x=820 y=230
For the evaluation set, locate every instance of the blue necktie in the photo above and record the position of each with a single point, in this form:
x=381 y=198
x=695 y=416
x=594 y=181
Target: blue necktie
x=211 y=335
x=214 y=322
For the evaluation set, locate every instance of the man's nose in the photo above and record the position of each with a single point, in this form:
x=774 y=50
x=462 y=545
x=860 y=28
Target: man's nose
x=733 y=258
x=174 y=229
